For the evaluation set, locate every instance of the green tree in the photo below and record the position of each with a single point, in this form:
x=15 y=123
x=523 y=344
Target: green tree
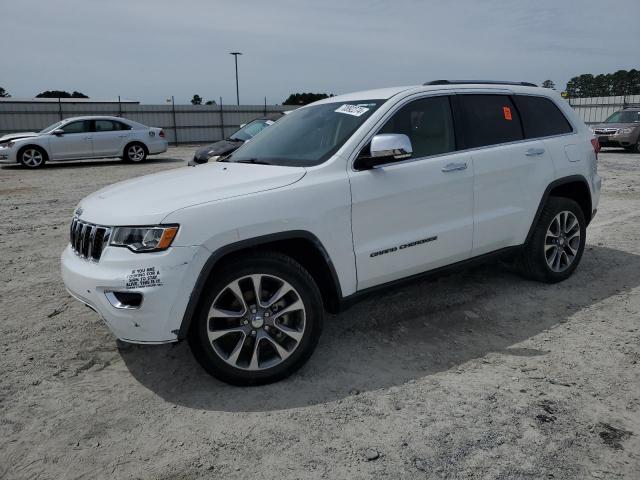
x=622 y=82
x=196 y=100
x=548 y=84
x=210 y=102
x=60 y=94
x=305 y=98
x=4 y=93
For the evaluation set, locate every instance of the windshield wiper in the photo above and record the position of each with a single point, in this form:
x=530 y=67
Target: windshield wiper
x=254 y=161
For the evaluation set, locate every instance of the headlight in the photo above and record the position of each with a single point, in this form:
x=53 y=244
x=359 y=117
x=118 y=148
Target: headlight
x=144 y=239
x=8 y=144
x=624 y=131
x=593 y=130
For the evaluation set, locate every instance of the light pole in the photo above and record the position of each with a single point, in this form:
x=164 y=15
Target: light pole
x=235 y=56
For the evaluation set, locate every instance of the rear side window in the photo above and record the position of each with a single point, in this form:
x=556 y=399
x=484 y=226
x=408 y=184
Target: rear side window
x=541 y=117
x=488 y=120
x=106 y=126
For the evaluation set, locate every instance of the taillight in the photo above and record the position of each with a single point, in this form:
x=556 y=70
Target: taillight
x=161 y=134
x=596 y=146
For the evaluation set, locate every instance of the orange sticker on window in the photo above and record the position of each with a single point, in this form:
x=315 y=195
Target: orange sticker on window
x=507 y=113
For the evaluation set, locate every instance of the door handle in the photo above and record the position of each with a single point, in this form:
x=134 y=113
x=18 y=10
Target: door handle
x=122 y=136
x=454 y=167
x=532 y=152
x=88 y=138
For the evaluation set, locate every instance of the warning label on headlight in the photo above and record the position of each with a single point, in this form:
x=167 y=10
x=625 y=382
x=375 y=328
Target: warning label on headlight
x=144 y=278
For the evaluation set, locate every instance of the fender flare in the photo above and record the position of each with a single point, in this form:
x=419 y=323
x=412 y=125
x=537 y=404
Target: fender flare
x=556 y=183
x=215 y=257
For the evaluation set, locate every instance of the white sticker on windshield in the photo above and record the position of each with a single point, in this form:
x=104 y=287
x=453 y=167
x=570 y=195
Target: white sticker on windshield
x=354 y=110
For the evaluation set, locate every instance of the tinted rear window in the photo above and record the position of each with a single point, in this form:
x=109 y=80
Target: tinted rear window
x=541 y=117
x=489 y=120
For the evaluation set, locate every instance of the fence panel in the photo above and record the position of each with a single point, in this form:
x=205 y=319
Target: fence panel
x=193 y=123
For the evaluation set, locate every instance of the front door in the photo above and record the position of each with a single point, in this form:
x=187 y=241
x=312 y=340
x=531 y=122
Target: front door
x=417 y=214
x=76 y=142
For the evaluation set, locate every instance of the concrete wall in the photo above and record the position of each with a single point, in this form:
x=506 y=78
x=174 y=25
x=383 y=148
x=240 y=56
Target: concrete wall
x=597 y=109
x=193 y=123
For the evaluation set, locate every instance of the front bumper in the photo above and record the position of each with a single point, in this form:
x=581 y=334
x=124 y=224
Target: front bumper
x=7 y=155
x=162 y=278
x=616 y=141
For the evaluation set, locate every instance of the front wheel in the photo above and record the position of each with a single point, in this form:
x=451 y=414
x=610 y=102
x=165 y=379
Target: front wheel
x=135 y=153
x=32 y=157
x=260 y=320
x=555 y=248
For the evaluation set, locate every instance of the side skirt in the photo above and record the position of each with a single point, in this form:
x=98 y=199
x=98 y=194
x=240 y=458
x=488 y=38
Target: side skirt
x=502 y=254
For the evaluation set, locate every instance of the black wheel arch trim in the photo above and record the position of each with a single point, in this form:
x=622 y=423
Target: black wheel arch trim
x=215 y=257
x=557 y=183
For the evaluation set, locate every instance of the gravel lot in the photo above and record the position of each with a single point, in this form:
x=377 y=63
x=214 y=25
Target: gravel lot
x=478 y=375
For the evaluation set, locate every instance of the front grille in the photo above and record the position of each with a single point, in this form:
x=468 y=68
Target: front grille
x=88 y=240
x=606 y=131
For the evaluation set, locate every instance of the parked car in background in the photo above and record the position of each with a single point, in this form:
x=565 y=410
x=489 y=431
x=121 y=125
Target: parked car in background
x=83 y=138
x=225 y=147
x=344 y=196
x=622 y=130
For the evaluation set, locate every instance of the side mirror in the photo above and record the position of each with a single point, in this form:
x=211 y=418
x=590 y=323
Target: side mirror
x=385 y=148
x=58 y=133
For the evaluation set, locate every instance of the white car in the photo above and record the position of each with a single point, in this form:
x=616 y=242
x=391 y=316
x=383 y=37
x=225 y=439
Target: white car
x=82 y=138
x=335 y=200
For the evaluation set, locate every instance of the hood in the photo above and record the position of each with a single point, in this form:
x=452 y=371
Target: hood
x=16 y=136
x=218 y=148
x=148 y=200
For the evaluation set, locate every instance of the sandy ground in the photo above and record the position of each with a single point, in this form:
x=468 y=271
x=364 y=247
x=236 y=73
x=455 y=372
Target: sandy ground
x=478 y=375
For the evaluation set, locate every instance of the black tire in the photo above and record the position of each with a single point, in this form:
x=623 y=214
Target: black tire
x=32 y=156
x=534 y=263
x=266 y=263
x=636 y=147
x=135 y=152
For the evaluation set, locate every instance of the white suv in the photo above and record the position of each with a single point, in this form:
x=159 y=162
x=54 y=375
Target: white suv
x=341 y=197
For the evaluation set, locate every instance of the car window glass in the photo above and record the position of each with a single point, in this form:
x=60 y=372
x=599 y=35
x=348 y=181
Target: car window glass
x=76 y=127
x=250 y=130
x=122 y=126
x=489 y=120
x=541 y=117
x=428 y=124
x=624 y=116
x=106 y=126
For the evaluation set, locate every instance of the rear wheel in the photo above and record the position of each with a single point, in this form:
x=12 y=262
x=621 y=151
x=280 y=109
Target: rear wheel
x=135 y=153
x=260 y=320
x=555 y=248
x=32 y=157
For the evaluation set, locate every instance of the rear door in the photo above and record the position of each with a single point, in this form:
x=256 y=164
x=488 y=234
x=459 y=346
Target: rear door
x=108 y=137
x=510 y=171
x=76 y=142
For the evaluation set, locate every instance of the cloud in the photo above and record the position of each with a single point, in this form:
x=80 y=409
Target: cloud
x=149 y=50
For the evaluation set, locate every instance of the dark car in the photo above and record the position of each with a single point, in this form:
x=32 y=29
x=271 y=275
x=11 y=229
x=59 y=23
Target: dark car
x=622 y=130
x=235 y=141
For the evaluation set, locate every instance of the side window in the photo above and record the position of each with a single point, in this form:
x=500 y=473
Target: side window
x=428 y=123
x=489 y=120
x=541 y=117
x=122 y=126
x=76 y=127
x=105 y=126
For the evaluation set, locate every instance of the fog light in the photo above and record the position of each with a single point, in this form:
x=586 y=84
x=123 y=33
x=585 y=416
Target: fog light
x=125 y=300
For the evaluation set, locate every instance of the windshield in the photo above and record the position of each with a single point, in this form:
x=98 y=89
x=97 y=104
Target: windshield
x=250 y=130
x=51 y=128
x=307 y=136
x=624 y=116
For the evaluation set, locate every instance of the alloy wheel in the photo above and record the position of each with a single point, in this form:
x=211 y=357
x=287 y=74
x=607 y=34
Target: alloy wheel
x=256 y=322
x=32 y=157
x=562 y=241
x=136 y=153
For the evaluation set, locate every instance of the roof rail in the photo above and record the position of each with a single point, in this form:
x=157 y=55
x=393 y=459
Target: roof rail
x=491 y=82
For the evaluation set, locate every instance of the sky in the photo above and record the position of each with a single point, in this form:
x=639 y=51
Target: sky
x=149 y=50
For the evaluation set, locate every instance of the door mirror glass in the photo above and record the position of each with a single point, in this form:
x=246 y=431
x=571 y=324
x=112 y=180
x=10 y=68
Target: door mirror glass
x=58 y=132
x=385 y=148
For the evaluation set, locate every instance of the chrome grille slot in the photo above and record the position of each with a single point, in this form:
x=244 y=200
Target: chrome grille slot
x=88 y=240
